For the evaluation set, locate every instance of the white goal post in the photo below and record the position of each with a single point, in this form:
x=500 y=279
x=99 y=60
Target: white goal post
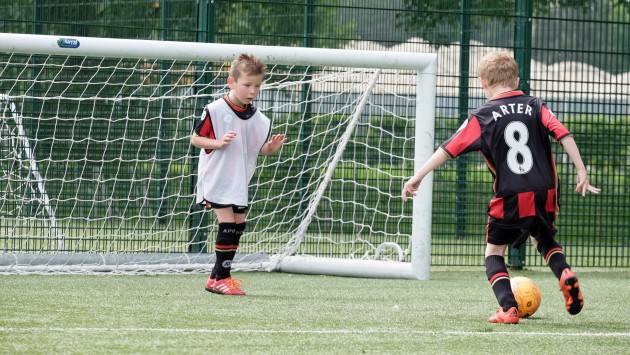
x=95 y=134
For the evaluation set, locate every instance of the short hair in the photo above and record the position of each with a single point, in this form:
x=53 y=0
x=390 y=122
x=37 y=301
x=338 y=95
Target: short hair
x=247 y=64
x=498 y=68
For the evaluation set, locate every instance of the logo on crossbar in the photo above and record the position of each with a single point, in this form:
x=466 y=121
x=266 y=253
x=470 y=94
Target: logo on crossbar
x=68 y=43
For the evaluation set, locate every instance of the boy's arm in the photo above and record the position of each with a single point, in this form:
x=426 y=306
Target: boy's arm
x=582 y=176
x=411 y=186
x=209 y=143
x=273 y=145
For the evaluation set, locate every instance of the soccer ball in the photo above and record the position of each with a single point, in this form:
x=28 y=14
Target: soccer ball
x=527 y=295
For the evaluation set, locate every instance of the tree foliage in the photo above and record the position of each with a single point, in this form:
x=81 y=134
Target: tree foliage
x=440 y=22
x=270 y=22
x=263 y=22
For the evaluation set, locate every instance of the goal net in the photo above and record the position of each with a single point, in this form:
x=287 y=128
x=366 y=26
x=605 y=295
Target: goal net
x=97 y=173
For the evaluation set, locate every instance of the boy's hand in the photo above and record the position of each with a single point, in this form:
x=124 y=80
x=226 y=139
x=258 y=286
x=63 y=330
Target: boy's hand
x=227 y=138
x=273 y=145
x=276 y=142
x=583 y=186
x=410 y=187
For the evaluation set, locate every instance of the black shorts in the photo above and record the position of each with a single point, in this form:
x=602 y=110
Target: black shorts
x=235 y=208
x=516 y=237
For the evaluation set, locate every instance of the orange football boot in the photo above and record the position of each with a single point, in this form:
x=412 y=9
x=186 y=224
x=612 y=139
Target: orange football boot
x=508 y=317
x=570 y=288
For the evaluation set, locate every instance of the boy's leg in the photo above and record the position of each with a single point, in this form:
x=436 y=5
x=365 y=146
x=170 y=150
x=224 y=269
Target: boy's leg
x=231 y=226
x=554 y=256
x=239 y=228
x=236 y=230
x=499 y=278
x=224 y=250
x=223 y=240
x=498 y=275
x=500 y=281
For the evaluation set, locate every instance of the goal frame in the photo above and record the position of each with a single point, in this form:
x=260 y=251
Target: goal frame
x=423 y=63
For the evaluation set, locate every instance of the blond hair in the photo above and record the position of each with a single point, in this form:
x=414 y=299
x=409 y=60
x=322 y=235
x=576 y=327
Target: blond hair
x=247 y=64
x=498 y=68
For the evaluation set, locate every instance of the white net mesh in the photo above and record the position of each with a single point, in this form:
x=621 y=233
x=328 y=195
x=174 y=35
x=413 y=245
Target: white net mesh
x=97 y=172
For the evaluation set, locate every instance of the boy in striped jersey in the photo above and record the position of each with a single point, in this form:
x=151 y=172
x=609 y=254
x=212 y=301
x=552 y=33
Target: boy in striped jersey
x=512 y=132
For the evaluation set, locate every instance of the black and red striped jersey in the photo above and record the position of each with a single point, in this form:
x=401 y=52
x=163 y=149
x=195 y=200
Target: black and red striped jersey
x=512 y=132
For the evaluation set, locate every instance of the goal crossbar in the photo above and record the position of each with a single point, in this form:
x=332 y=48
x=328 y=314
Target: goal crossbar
x=194 y=51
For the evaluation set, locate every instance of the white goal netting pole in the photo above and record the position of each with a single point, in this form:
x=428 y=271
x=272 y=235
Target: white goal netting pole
x=25 y=150
x=424 y=148
x=419 y=268
x=312 y=205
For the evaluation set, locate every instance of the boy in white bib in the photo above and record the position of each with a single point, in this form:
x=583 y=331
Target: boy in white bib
x=231 y=135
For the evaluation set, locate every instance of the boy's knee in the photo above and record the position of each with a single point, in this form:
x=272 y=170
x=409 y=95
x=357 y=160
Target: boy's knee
x=545 y=246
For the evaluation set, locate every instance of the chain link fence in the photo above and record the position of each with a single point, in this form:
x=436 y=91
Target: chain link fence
x=576 y=58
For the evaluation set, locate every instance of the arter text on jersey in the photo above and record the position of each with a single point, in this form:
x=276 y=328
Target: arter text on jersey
x=512 y=109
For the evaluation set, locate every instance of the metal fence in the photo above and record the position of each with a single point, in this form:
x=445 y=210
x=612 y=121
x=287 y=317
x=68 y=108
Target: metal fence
x=577 y=58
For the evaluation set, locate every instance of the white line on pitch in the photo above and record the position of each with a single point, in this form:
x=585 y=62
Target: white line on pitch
x=308 y=331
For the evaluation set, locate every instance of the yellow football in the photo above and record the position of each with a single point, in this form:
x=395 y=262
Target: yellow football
x=527 y=295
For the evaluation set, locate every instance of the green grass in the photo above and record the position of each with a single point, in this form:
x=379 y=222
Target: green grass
x=295 y=314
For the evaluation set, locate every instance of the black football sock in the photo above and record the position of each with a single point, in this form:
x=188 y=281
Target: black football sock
x=500 y=281
x=554 y=257
x=224 y=250
x=236 y=237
